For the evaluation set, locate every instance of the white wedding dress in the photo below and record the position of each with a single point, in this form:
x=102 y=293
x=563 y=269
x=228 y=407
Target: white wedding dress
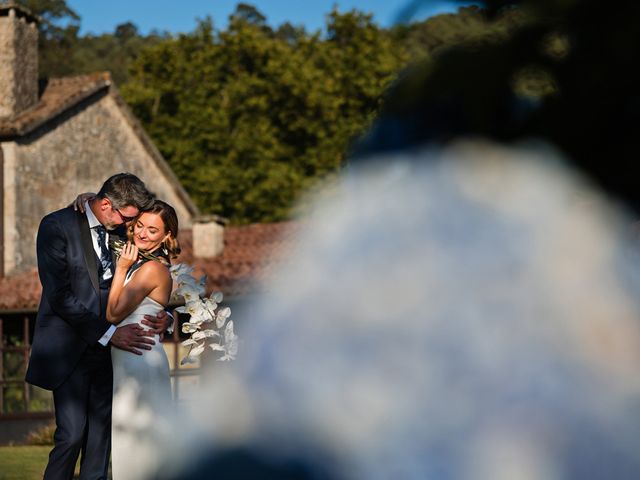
x=141 y=403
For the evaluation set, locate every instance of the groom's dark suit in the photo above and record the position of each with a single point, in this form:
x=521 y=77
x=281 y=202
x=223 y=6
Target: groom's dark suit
x=66 y=356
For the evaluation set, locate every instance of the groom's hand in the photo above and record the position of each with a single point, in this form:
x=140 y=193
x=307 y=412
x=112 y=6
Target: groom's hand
x=158 y=324
x=131 y=338
x=78 y=203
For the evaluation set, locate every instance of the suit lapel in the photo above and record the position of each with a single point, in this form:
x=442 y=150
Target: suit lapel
x=89 y=252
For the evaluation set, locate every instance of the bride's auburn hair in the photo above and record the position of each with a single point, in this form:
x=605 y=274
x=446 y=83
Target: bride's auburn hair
x=170 y=219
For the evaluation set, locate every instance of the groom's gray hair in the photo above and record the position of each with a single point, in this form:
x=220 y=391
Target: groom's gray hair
x=125 y=189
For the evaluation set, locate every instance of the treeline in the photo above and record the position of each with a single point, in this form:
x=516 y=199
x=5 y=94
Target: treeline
x=250 y=116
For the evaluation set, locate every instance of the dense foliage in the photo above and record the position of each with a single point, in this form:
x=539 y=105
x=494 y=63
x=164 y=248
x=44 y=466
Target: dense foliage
x=251 y=116
x=63 y=52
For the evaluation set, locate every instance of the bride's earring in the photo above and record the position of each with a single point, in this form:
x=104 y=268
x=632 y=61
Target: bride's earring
x=165 y=249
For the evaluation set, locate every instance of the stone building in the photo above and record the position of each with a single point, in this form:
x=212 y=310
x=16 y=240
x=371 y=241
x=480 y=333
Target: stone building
x=64 y=138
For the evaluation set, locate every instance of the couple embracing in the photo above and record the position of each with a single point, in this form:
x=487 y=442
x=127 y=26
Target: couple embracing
x=100 y=322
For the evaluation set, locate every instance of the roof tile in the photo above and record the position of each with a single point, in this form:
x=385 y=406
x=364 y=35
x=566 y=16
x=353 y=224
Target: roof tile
x=59 y=95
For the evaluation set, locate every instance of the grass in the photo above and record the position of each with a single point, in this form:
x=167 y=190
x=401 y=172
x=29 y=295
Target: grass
x=23 y=462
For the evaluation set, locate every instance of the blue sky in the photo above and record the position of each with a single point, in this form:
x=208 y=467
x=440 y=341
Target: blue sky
x=180 y=16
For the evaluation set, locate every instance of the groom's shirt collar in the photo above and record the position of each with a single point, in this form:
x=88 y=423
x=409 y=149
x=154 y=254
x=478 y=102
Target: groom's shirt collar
x=93 y=221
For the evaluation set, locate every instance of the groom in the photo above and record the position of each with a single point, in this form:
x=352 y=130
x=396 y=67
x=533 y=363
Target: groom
x=70 y=354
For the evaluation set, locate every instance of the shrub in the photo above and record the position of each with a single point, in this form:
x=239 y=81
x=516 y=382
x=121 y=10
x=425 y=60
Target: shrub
x=42 y=435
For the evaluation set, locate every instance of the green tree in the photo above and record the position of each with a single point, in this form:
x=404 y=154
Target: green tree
x=63 y=52
x=250 y=117
x=113 y=52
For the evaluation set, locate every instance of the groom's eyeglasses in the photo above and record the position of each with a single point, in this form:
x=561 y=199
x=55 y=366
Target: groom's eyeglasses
x=124 y=218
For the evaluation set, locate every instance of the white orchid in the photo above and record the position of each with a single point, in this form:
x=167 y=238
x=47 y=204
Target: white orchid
x=210 y=306
x=197 y=350
x=185 y=279
x=198 y=311
x=222 y=316
x=217 y=297
x=180 y=269
x=202 y=334
x=188 y=327
x=229 y=346
x=190 y=292
x=230 y=342
x=188 y=359
x=202 y=310
x=199 y=335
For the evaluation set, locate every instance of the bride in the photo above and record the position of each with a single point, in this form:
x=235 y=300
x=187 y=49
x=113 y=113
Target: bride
x=141 y=384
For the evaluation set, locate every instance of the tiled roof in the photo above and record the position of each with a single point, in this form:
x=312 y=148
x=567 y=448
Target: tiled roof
x=59 y=95
x=248 y=253
x=20 y=292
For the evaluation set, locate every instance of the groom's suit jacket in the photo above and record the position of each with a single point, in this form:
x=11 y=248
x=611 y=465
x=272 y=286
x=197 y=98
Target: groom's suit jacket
x=71 y=315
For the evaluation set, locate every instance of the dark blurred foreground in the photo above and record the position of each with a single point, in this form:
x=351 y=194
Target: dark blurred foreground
x=464 y=302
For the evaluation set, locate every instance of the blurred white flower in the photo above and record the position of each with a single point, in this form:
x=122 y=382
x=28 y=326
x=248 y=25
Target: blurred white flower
x=463 y=313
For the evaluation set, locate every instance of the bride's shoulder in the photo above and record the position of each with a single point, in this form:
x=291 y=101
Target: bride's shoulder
x=154 y=269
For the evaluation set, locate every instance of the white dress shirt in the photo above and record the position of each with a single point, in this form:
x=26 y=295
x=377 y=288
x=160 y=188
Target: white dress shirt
x=93 y=222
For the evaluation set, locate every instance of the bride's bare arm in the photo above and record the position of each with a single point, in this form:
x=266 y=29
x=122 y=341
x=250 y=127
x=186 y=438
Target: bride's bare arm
x=149 y=280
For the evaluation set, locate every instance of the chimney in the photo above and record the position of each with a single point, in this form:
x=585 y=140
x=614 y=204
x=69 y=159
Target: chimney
x=208 y=236
x=18 y=59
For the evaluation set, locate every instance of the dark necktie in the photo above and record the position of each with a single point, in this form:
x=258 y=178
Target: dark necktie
x=105 y=255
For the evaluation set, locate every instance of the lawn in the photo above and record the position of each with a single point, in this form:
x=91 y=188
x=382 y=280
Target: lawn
x=23 y=463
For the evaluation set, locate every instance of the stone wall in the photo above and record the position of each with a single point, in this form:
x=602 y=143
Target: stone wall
x=75 y=154
x=18 y=64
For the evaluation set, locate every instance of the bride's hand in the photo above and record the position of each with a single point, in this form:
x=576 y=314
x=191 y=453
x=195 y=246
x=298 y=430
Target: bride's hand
x=128 y=256
x=78 y=203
